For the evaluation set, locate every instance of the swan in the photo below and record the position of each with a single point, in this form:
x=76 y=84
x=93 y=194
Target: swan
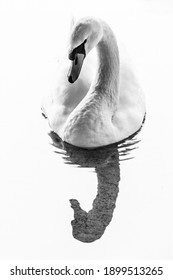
x=98 y=105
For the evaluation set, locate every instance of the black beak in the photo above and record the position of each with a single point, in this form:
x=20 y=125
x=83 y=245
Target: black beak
x=76 y=67
x=77 y=57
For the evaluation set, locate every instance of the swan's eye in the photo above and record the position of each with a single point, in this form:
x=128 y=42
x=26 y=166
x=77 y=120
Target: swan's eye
x=80 y=49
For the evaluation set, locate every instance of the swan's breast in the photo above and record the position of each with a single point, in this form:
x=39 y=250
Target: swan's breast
x=89 y=126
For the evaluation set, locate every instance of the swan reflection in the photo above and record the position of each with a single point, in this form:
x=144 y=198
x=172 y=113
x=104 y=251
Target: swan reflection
x=90 y=226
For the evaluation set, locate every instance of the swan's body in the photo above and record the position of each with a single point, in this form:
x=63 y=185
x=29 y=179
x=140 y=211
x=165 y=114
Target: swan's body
x=89 y=112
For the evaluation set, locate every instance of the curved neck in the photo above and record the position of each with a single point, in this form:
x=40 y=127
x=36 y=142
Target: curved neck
x=107 y=78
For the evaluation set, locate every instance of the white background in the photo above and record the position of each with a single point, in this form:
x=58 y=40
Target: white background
x=35 y=185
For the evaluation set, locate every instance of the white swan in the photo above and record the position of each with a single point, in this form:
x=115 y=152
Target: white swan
x=108 y=109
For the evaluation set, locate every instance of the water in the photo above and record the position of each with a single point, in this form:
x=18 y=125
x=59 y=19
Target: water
x=88 y=227
x=37 y=182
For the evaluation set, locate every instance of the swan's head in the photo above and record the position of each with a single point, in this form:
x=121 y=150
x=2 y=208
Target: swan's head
x=85 y=35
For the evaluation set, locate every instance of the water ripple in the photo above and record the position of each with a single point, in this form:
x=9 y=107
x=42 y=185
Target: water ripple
x=90 y=226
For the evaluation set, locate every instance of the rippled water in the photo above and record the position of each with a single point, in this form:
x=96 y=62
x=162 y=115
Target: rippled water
x=88 y=227
x=123 y=206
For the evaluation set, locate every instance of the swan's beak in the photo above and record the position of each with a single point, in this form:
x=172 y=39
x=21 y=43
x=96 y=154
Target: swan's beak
x=76 y=67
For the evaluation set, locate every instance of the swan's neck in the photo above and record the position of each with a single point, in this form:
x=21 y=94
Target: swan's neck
x=106 y=81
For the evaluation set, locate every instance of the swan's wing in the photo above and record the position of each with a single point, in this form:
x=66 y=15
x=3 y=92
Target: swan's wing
x=131 y=106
